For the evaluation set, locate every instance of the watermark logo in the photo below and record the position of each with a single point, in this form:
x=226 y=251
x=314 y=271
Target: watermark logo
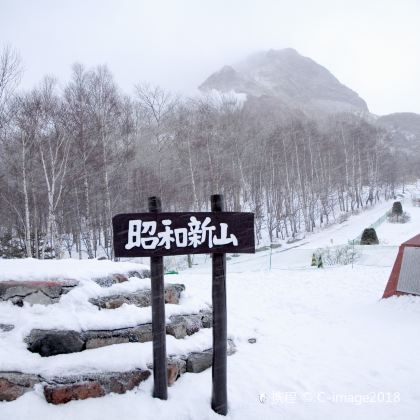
x=263 y=398
x=321 y=397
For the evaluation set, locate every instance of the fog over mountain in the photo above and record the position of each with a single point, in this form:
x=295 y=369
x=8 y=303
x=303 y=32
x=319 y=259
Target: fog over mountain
x=283 y=80
x=295 y=80
x=407 y=122
x=404 y=129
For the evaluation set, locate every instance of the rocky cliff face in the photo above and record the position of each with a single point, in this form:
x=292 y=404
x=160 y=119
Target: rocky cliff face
x=296 y=81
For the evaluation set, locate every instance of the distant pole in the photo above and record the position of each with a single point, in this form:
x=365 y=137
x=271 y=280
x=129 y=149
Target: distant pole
x=219 y=388
x=160 y=389
x=271 y=251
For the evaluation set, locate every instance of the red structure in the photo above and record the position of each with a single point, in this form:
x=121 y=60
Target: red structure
x=405 y=275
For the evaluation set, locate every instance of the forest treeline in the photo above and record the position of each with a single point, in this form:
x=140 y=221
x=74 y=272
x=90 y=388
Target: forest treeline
x=71 y=157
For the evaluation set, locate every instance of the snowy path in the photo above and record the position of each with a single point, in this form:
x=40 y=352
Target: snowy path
x=298 y=255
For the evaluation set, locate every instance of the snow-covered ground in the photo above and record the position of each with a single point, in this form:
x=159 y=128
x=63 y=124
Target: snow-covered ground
x=327 y=346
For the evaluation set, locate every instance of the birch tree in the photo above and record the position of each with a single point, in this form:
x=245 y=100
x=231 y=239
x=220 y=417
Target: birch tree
x=53 y=147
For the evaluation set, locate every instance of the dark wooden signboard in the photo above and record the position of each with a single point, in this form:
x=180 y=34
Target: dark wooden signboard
x=161 y=234
x=156 y=235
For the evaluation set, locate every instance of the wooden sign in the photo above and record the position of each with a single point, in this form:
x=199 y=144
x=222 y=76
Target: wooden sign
x=157 y=234
x=160 y=234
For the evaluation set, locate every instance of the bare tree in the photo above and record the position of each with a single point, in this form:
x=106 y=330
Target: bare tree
x=157 y=106
x=10 y=75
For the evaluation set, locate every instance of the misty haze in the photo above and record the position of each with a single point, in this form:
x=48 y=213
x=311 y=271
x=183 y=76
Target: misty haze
x=209 y=209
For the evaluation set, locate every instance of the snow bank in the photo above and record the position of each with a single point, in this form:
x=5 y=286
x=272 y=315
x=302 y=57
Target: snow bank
x=31 y=269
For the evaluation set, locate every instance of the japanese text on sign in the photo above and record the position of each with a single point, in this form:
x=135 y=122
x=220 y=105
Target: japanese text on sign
x=143 y=234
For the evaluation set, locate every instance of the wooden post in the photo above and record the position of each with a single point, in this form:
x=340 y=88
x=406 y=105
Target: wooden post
x=160 y=389
x=219 y=387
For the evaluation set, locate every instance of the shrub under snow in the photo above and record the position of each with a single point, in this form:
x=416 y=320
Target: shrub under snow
x=396 y=218
x=338 y=255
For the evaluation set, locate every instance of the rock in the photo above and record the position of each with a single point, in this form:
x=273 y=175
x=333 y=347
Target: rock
x=100 y=338
x=14 y=384
x=192 y=322
x=61 y=394
x=11 y=289
x=199 y=361
x=134 y=274
x=108 y=281
x=6 y=327
x=140 y=298
x=123 y=382
x=173 y=293
x=94 y=343
x=140 y=334
x=252 y=340
x=177 y=329
x=181 y=325
x=52 y=342
x=17 y=300
x=56 y=291
x=176 y=368
x=119 y=278
x=206 y=319
x=38 y=298
x=35 y=292
x=110 y=302
x=231 y=347
x=141 y=274
x=64 y=389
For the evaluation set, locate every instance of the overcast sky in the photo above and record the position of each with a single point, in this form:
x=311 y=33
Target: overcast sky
x=372 y=46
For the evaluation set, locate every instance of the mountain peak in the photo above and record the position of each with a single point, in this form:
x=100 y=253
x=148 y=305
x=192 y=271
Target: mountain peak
x=292 y=78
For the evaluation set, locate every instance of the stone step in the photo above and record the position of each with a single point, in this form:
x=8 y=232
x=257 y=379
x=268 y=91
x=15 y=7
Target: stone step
x=62 y=389
x=194 y=362
x=111 y=279
x=47 y=292
x=140 y=298
x=52 y=342
x=14 y=384
x=40 y=292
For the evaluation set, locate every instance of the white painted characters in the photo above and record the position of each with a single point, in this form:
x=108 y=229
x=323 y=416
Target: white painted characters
x=142 y=234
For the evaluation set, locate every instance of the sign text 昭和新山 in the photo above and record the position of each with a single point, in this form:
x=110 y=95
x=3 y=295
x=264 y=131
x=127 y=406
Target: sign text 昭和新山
x=160 y=234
